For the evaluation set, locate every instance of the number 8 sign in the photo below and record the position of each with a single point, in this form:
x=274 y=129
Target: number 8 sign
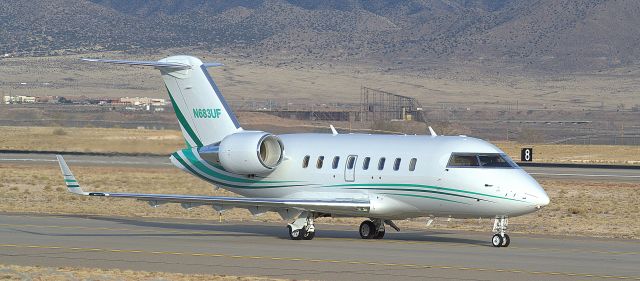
x=526 y=154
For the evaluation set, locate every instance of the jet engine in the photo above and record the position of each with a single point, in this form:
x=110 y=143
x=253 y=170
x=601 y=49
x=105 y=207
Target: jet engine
x=250 y=152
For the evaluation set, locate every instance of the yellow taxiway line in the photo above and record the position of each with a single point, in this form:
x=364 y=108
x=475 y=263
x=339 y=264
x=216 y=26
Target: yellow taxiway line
x=309 y=260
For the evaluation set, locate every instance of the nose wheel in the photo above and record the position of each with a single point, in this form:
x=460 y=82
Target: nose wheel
x=501 y=238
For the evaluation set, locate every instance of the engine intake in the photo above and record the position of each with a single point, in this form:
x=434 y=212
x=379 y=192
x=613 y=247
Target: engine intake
x=251 y=152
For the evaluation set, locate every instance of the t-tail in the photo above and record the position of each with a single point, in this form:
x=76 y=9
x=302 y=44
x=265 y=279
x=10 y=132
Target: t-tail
x=204 y=116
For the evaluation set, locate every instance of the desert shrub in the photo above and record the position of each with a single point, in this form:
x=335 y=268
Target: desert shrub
x=576 y=210
x=59 y=132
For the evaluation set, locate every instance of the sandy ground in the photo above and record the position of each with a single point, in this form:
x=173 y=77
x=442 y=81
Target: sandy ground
x=36 y=273
x=324 y=81
x=165 y=142
x=589 y=208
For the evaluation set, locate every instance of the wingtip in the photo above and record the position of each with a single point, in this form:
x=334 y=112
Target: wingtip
x=69 y=180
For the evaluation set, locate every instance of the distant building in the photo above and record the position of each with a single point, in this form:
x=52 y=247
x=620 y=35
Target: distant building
x=19 y=99
x=137 y=101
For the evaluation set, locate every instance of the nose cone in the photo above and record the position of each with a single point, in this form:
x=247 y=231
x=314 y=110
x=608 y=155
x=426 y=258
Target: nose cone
x=543 y=199
x=539 y=196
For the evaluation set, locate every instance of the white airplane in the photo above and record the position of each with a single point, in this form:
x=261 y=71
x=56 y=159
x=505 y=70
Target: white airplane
x=307 y=176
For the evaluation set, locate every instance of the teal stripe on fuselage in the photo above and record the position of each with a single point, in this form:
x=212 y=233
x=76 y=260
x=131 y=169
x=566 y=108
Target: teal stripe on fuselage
x=418 y=190
x=424 y=196
x=427 y=187
x=201 y=176
x=188 y=153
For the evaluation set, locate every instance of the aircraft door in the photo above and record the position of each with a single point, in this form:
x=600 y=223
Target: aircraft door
x=350 y=168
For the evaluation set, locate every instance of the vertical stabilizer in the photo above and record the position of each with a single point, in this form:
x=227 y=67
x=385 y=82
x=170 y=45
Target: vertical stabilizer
x=203 y=114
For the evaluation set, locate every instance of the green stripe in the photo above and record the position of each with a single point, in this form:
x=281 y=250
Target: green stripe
x=417 y=190
x=194 y=160
x=183 y=121
x=428 y=187
x=70 y=180
x=72 y=185
x=193 y=171
x=424 y=196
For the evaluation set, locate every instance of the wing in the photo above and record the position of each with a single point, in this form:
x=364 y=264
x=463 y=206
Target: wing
x=285 y=207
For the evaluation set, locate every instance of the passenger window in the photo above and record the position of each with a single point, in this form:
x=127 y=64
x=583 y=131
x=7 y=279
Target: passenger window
x=463 y=160
x=396 y=164
x=336 y=161
x=319 y=162
x=305 y=161
x=412 y=164
x=381 y=164
x=351 y=161
x=365 y=163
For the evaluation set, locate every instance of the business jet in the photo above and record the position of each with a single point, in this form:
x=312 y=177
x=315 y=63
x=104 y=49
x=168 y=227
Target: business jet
x=307 y=176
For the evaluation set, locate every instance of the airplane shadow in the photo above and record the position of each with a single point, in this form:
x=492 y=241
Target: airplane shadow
x=253 y=229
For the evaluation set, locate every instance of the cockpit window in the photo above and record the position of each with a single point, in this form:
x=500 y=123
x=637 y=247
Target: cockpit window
x=493 y=160
x=463 y=160
x=480 y=160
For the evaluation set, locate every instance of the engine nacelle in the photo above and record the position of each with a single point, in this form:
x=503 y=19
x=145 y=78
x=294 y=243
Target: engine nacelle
x=250 y=152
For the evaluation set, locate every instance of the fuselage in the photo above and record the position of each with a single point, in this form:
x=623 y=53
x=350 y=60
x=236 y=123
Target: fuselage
x=416 y=178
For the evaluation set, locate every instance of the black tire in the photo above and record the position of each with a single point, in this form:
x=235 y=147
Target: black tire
x=379 y=235
x=496 y=240
x=506 y=240
x=308 y=235
x=367 y=230
x=295 y=235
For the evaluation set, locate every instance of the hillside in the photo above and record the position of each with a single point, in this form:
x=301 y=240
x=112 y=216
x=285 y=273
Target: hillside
x=541 y=35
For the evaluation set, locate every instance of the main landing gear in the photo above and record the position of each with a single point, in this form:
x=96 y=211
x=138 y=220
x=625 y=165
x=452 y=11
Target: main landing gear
x=500 y=238
x=374 y=228
x=302 y=227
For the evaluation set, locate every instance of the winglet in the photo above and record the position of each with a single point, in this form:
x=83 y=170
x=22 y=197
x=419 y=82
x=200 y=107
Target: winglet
x=69 y=179
x=433 y=133
x=333 y=130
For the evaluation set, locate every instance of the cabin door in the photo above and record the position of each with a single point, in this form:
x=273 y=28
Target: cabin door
x=350 y=168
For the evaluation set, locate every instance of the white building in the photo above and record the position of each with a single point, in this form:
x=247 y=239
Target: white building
x=19 y=99
x=143 y=101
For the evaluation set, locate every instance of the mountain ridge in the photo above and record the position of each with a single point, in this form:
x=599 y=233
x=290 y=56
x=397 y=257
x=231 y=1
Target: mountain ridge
x=547 y=35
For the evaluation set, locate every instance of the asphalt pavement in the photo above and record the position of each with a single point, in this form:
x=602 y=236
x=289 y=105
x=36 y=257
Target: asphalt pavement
x=337 y=253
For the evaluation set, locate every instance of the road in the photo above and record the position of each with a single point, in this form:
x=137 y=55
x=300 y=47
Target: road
x=258 y=249
x=627 y=175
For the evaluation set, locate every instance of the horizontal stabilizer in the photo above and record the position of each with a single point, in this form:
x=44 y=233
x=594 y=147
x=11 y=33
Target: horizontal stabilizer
x=173 y=65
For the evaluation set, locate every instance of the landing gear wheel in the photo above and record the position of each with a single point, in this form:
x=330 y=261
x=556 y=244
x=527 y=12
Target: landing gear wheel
x=367 y=230
x=308 y=235
x=506 y=241
x=497 y=240
x=295 y=234
x=379 y=235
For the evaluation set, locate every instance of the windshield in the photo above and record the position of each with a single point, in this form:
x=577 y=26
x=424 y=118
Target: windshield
x=480 y=160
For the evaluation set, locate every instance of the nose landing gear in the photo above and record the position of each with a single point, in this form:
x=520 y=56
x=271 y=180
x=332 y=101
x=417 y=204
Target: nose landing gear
x=501 y=238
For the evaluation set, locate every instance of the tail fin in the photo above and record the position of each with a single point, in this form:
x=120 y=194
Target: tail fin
x=204 y=116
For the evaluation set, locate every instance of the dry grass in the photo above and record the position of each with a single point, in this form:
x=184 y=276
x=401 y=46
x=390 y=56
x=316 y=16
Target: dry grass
x=167 y=141
x=91 y=139
x=589 y=208
x=322 y=81
x=567 y=153
x=36 y=273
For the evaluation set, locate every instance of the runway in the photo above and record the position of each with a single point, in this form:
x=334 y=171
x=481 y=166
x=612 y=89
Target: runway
x=337 y=253
x=626 y=175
